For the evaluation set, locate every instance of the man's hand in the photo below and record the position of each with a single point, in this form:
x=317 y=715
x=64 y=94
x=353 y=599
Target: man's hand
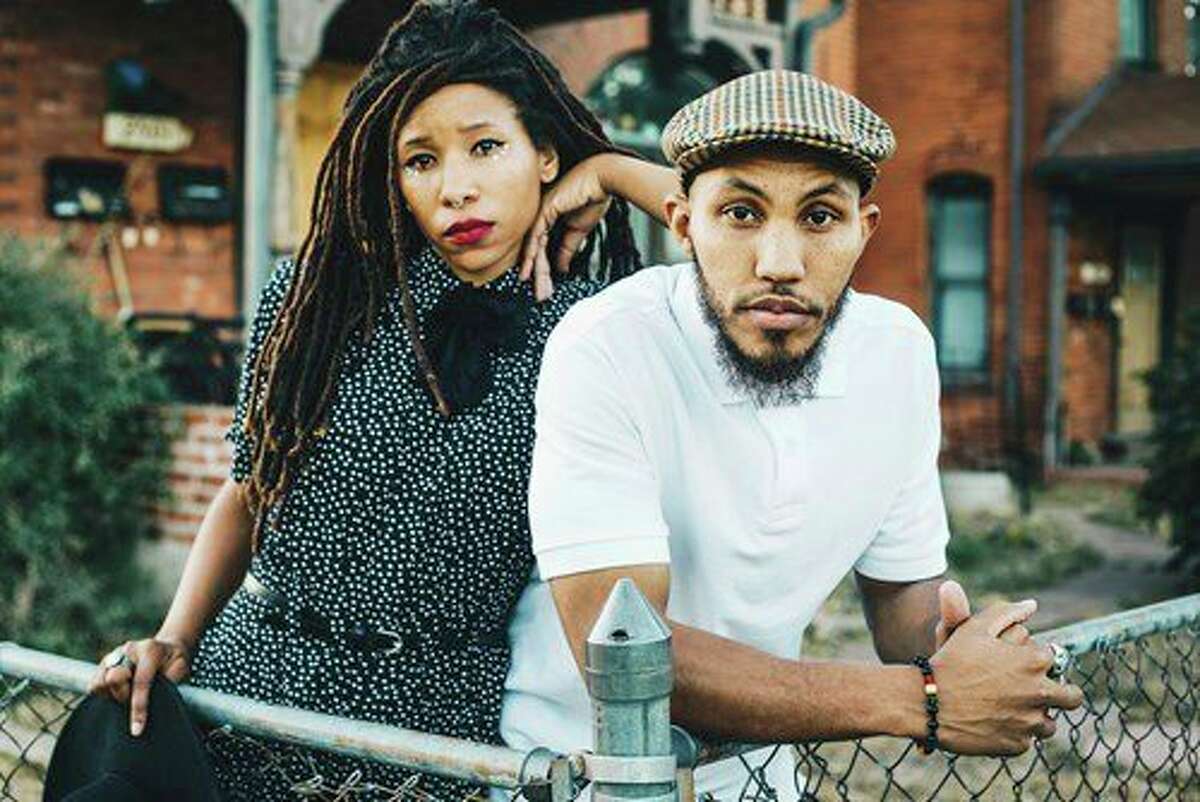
x=994 y=694
x=955 y=609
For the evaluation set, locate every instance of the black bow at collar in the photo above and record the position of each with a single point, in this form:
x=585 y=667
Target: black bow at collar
x=464 y=330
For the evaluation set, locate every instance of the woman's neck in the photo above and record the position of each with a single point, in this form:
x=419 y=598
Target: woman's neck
x=488 y=274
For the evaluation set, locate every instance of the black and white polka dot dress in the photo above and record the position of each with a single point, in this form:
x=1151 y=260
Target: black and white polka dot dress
x=401 y=520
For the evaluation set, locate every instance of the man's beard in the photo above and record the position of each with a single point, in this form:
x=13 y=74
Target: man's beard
x=775 y=379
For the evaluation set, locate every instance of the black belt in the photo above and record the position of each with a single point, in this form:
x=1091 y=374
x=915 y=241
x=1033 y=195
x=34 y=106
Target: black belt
x=362 y=636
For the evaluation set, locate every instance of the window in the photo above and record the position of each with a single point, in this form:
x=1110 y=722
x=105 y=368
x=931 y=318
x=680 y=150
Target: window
x=1137 y=34
x=960 y=212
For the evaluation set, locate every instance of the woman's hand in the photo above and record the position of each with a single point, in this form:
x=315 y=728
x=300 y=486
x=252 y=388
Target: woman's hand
x=129 y=679
x=580 y=200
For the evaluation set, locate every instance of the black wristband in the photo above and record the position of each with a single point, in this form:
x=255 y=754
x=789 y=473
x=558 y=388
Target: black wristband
x=928 y=744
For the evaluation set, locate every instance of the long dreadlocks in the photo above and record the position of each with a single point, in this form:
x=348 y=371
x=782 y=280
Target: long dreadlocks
x=361 y=237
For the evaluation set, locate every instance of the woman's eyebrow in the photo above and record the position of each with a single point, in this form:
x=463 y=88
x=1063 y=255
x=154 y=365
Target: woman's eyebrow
x=466 y=129
x=416 y=141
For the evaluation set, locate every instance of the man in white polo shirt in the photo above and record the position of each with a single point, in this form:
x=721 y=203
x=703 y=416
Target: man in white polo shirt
x=740 y=433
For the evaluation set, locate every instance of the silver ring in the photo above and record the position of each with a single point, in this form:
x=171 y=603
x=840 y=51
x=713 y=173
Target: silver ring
x=1062 y=661
x=117 y=658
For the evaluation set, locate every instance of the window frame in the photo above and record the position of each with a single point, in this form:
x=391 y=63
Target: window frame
x=1145 y=9
x=936 y=192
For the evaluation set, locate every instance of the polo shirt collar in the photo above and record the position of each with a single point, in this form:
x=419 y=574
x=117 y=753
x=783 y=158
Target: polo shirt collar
x=702 y=344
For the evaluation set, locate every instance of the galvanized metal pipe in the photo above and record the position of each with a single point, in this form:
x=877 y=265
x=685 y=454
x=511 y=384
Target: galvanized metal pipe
x=1088 y=636
x=1056 y=302
x=509 y=768
x=434 y=754
x=629 y=678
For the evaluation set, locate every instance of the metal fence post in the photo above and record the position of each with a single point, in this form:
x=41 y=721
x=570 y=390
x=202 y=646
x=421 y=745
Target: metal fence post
x=629 y=677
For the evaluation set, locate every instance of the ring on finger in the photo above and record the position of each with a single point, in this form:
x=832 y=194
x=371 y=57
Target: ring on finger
x=116 y=658
x=1062 y=661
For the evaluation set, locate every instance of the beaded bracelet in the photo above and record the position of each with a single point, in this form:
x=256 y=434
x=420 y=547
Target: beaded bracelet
x=929 y=743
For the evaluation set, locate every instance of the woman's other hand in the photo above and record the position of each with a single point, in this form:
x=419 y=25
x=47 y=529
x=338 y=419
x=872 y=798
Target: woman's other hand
x=127 y=672
x=580 y=200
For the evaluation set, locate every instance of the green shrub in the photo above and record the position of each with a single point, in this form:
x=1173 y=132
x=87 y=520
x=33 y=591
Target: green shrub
x=990 y=555
x=1173 y=488
x=84 y=455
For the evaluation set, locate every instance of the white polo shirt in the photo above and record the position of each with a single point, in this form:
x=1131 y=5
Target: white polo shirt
x=646 y=454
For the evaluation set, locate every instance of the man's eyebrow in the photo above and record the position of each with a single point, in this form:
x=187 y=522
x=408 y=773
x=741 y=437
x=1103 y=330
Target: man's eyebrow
x=734 y=182
x=832 y=188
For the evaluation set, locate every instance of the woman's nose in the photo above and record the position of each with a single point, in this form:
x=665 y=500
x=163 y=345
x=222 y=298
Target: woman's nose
x=458 y=186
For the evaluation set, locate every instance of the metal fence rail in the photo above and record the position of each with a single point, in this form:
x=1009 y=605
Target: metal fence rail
x=1136 y=737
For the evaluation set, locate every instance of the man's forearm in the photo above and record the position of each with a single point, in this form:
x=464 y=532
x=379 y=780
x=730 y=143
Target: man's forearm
x=902 y=617
x=727 y=690
x=993 y=694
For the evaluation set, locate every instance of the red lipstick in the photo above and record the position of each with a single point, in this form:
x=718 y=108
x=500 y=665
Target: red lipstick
x=468 y=232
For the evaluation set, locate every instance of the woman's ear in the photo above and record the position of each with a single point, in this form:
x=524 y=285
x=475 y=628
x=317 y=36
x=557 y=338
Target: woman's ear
x=548 y=163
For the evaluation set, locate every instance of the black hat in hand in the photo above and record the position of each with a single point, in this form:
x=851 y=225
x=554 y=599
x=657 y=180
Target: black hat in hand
x=96 y=759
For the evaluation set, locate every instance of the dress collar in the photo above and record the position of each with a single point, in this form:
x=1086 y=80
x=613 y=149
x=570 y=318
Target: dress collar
x=702 y=344
x=430 y=278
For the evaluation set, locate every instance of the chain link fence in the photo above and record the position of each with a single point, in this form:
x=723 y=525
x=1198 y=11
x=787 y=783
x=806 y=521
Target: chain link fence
x=1137 y=737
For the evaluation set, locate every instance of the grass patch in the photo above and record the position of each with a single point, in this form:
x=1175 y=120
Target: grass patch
x=992 y=555
x=1101 y=503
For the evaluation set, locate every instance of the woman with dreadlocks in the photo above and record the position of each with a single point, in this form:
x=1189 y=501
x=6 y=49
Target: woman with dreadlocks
x=375 y=520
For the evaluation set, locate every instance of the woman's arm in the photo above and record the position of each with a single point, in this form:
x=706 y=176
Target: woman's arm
x=579 y=200
x=215 y=566
x=644 y=184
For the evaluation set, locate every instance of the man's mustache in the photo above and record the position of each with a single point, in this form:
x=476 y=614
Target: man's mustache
x=780 y=295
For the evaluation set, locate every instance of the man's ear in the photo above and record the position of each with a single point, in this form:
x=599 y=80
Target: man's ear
x=869 y=215
x=679 y=220
x=547 y=164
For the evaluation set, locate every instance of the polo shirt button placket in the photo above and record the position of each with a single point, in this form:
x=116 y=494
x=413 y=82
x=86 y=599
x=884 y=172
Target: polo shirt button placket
x=786 y=491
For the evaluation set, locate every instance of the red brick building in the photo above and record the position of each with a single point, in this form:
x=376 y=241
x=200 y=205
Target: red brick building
x=1053 y=143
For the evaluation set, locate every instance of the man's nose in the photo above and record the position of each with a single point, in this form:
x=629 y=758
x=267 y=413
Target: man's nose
x=780 y=257
x=459 y=187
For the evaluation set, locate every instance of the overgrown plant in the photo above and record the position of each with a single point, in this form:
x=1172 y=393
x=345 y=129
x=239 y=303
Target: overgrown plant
x=1173 y=488
x=84 y=456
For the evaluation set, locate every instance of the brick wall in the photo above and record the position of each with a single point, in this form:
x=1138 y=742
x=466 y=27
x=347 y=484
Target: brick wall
x=581 y=49
x=938 y=71
x=1083 y=38
x=200 y=464
x=834 y=54
x=52 y=99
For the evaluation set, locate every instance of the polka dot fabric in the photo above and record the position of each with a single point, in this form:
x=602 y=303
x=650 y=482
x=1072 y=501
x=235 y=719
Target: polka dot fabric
x=401 y=520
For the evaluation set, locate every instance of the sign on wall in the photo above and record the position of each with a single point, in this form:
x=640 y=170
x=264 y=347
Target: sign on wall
x=145 y=132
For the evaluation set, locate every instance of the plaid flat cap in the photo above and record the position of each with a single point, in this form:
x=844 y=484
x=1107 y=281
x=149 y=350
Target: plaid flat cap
x=779 y=106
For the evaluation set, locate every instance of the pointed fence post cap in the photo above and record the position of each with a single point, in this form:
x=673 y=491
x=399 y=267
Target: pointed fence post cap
x=629 y=649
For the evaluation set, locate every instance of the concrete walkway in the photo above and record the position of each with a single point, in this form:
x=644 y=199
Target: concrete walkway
x=1132 y=574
